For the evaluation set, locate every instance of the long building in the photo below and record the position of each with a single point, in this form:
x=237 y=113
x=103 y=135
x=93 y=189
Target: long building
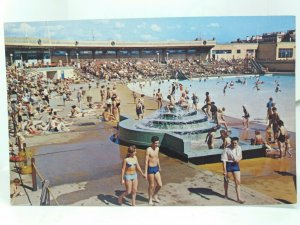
x=275 y=54
x=33 y=50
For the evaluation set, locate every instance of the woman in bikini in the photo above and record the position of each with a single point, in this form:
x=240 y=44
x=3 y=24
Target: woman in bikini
x=129 y=175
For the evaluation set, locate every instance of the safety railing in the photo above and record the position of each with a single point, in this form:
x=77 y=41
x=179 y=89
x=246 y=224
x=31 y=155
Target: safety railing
x=110 y=43
x=45 y=197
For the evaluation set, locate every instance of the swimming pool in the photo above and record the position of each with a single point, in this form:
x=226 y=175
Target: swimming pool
x=236 y=96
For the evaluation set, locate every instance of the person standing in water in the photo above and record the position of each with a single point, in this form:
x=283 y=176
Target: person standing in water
x=206 y=107
x=159 y=98
x=245 y=117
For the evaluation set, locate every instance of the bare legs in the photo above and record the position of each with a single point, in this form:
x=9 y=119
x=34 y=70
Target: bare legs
x=222 y=122
x=246 y=123
x=237 y=181
x=154 y=189
x=131 y=187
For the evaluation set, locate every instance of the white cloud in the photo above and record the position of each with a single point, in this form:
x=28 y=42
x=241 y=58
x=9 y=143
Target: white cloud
x=215 y=25
x=148 y=37
x=155 y=28
x=24 y=28
x=142 y=26
x=119 y=25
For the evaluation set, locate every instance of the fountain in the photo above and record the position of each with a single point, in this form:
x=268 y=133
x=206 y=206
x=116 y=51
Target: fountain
x=182 y=133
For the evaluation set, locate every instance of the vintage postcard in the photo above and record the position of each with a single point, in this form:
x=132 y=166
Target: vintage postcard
x=175 y=111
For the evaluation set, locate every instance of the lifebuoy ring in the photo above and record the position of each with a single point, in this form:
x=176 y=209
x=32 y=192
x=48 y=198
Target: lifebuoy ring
x=16 y=159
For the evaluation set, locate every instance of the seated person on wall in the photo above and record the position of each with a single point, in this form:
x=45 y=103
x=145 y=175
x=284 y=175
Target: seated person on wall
x=225 y=137
x=15 y=189
x=258 y=140
x=210 y=138
x=183 y=101
x=107 y=116
x=171 y=104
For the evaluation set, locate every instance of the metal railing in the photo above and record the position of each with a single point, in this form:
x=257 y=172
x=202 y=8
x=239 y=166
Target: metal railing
x=49 y=42
x=45 y=185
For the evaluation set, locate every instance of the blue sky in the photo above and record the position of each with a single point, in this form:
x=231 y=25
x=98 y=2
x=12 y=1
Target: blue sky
x=224 y=29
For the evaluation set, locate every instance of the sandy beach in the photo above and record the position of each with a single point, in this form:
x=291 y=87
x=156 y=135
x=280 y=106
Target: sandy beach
x=184 y=184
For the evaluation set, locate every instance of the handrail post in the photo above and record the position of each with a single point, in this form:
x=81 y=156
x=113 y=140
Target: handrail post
x=33 y=174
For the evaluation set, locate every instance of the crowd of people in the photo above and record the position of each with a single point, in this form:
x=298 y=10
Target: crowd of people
x=132 y=69
x=29 y=107
x=31 y=112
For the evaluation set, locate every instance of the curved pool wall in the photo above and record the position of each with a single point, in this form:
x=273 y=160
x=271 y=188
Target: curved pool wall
x=184 y=137
x=128 y=133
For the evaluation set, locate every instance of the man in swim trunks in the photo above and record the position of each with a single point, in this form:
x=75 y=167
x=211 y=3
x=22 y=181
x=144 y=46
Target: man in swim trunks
x=159 y=98
x=230 y=158
x=206 y=107
x=152 y=170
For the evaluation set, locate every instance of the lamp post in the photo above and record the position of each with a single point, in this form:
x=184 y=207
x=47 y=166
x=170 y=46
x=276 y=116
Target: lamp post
x=157 y=57
x=78 y=65
x=67 y=60
x=11 y=58
x=21 y=61
x=13 y=116
x=167 y=57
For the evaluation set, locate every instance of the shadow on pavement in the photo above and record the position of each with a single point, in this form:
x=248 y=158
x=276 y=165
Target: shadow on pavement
x=202 y=192
x=113 y=200
x=108 y=199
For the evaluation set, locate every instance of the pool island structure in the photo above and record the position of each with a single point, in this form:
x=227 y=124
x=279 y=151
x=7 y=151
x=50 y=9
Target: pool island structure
x=182 y=134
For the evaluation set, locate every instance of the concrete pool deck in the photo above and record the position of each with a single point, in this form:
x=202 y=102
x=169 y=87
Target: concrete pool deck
x=184 y=184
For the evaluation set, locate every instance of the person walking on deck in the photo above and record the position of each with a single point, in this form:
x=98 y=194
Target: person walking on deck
x=231 y=158
x=153 y=170
x=129 y=177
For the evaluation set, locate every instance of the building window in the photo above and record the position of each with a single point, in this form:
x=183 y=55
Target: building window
x=250 y=51
x=285 y=53
x=238 y=51
x=191 y=51
x=221 y=52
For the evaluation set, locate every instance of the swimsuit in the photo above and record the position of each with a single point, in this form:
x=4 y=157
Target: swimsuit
x=153 y=170
x=232 y=167
x=281 y=138
x=130 y=176
x=131 y=172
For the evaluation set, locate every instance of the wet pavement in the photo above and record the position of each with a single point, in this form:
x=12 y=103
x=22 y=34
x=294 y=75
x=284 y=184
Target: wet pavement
x=94 y=158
